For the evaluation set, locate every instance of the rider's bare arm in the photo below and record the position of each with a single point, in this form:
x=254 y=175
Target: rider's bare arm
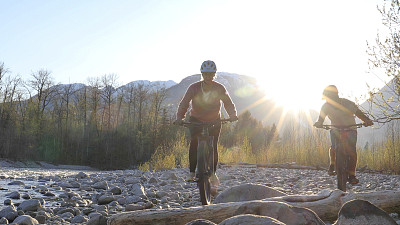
x=367 y=121
x=184 y=104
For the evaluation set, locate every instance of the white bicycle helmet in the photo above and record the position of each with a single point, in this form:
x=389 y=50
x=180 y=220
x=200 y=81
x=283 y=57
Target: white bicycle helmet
x=208 y=66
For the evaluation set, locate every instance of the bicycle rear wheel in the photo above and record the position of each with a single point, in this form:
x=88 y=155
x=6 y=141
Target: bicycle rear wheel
x=203 y=172
x=341 y=168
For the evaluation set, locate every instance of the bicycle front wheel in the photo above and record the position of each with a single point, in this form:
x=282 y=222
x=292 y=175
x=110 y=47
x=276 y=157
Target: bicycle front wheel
x=203 y=173
x=341 y=168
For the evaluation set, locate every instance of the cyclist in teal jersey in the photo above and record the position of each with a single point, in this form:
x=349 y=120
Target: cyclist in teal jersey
x=341 y=112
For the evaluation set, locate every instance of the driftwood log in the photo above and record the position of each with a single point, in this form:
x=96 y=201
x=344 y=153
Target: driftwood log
x=287 y=166
x=275 y=165
x=326 y=207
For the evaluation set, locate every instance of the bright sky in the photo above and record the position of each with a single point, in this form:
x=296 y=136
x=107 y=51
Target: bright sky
x=289 y=46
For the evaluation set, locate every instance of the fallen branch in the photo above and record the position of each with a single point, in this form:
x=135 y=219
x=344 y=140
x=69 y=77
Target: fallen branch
x=287 y=166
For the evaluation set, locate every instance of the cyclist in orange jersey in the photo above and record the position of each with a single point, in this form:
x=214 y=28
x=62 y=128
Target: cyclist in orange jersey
x=205 y=98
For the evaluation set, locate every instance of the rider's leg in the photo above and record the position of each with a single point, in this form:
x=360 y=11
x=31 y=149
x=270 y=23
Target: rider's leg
x=194 y=133
x=192 y=159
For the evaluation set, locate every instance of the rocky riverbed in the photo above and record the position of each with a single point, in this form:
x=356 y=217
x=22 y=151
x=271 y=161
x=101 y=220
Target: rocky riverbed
x=64 y=196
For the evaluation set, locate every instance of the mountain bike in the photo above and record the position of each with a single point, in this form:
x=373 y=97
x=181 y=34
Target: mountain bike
x=342 y=157
x=205 y=158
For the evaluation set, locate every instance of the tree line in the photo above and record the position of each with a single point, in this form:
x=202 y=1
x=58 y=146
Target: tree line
x=100 y=125
x=94 y=124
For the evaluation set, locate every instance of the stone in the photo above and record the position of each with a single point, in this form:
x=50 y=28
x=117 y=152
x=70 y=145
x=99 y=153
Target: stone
x=49 y=194
x=101 y=185
x=14 y=195
x=67 y=216
x=169 y=176
x=133 y=207
x=16 y=182
x=8 y=202
x=97 y=220
x=41 y=219
x=25 y=220
x=105 y=199
x=116 y=190
x=133 y=199
x=79 y=219
x=153 y=180
x=81 y=175
x=284 y=212
x=138 y=190
x=10 y=213
x=359 y=211
x=247 y=192
x=253 y=220
x=26 y=196
x=29 y=205
x=3 y=220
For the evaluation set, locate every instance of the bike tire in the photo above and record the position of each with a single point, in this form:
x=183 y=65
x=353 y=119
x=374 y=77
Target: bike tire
x=203 y=173
x=341 y=168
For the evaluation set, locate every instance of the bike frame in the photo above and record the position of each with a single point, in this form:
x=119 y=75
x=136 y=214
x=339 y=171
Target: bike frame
x=341 y=153
x=205 y=158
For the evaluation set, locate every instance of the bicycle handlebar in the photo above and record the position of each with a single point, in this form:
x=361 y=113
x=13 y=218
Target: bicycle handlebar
x=348 y=127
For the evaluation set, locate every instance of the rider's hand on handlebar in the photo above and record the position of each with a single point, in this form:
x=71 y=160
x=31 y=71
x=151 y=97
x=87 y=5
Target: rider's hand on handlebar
x=318 y=125
x=233 y=118
x=178 y=122
x=368 y=123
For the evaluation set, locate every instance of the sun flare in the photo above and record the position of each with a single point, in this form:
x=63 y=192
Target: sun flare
x=295 y=99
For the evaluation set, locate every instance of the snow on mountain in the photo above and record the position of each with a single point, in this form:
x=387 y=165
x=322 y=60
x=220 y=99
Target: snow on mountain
x=153 y=85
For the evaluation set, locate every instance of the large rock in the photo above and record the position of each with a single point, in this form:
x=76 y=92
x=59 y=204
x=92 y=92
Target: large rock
x=14 y=195
x=105 y=199
x=25 y=220
x=251 y=219
x=247 y=192
x=97 y=220
x=10 y=213
x=281 y=211
x=358 y=211
x=138 y=190
x=81 y=175
x=30 y=205
x=79 y=219
x=101 y=185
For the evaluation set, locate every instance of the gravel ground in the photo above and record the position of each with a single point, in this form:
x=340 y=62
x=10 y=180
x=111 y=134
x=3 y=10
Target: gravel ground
x=93 y=196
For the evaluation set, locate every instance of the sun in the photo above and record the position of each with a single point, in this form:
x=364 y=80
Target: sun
x=295 y=98
x=293 y=93
x=295 y=101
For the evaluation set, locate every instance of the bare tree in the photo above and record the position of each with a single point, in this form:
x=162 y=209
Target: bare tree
x=41 y=83
x=385 y=55
x=108 y=95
